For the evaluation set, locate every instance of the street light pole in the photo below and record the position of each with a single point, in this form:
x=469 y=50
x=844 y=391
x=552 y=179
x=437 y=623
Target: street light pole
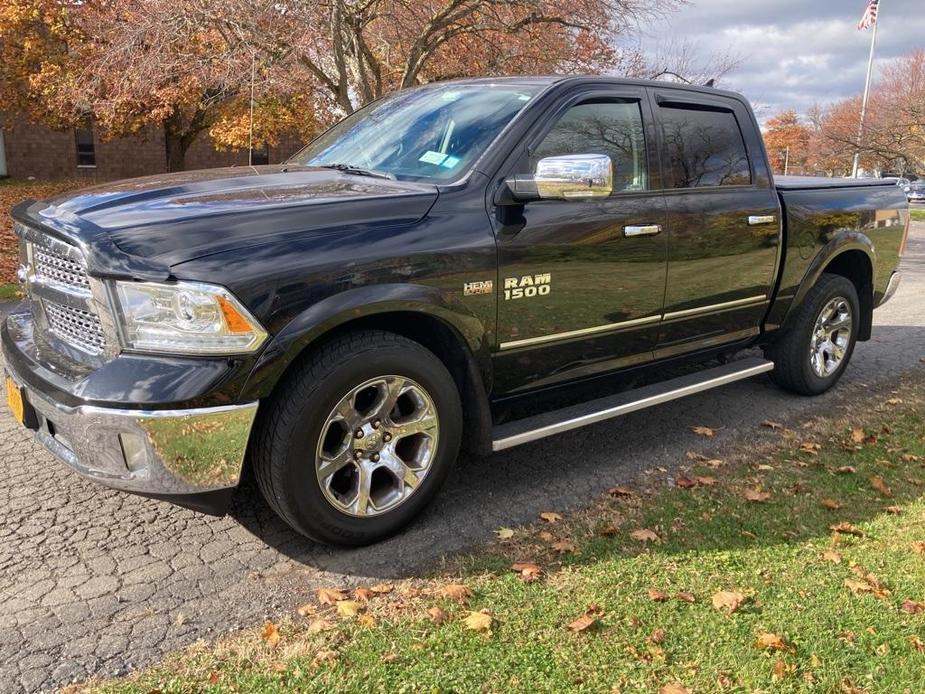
x=870 y=68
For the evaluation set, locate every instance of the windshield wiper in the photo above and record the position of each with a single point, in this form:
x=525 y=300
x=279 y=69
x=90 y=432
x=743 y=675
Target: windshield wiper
x=358 y=171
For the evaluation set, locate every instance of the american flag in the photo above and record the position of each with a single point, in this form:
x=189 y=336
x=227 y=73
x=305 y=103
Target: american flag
x=870 y=16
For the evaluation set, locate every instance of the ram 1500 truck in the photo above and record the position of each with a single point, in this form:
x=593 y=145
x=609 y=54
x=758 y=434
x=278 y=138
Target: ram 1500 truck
x=343 y=322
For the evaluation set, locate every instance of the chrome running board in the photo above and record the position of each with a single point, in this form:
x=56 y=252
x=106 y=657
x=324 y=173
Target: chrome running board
x=550 y=423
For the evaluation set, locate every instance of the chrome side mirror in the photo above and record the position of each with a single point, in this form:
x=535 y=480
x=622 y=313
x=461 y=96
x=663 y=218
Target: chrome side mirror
x=574 y=176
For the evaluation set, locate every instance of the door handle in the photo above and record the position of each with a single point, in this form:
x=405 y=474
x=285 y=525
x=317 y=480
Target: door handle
x=644 y=230
x=755 y=220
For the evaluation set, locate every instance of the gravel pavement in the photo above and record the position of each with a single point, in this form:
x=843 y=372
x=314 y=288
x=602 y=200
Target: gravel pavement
x=95 y=582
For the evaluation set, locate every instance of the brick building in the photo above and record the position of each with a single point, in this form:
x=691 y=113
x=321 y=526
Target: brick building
x=33 y=150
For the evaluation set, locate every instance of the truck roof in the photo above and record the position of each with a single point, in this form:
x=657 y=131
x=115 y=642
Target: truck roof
x=549 y=80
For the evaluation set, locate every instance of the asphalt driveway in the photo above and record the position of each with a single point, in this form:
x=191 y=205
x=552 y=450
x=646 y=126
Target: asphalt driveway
x=94 y=582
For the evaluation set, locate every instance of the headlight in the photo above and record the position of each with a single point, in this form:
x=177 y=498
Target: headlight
x=185 y=317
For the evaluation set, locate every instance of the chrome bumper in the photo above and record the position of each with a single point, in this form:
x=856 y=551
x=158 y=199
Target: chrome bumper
x=891 y=288
x=155 y=452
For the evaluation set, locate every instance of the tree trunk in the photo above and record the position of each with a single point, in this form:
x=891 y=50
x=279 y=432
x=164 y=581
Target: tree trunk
x=175 y=145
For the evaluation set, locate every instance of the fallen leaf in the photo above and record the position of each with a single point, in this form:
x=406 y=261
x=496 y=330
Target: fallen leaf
x=390 y=657
x=565 y=547
x=894 y=401
x=645 y=535
x=686 y=597
x=504 y=533
x=382 y=588
x=214 y=677
x=366 y=620
x=550 y=517
x=845 y=470
x=831 y=556
x=774 y=426
x=546 y=536
x=657 y=595
x=831 y=504
x=479 y=621
x=329 y=596
x=894 y=510
x=610 y=531
x=620 y=491
x=307 y=609
x=916 y=643
x=363 y=594
x=685 y=483
x=918 y=546
x=528 y=571
x=657 y=636
x=437 y=615
x=846 y=529
x=810 y=447
x=858 y=435
x=348 y=608
x=705 y=481
x=858 y=587
x=674 y=688
x=912 y=607
x=270 y=634
x=756 y=494
x=319 y=625
x=771 y=642
x=876 y=481
x=704 y=431
x=728 y=600
x=590 y=618
x=457 y=592
x=781 y=670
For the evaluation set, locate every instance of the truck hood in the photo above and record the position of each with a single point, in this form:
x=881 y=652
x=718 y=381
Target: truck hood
x=172 y=218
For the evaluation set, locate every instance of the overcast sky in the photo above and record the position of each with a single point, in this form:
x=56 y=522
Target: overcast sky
x=795 y=53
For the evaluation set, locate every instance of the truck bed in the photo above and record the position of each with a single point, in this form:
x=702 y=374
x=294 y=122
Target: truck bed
x=820 y=182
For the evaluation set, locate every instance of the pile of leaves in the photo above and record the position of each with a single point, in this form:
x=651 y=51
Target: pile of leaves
x=12 y=193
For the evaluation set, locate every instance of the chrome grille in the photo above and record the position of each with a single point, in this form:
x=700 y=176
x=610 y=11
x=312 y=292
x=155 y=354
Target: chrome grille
x=54 y=267
x=80 y=328
x=55 y=276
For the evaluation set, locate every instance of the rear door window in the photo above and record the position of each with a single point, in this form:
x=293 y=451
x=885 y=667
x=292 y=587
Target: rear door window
x=704 y=148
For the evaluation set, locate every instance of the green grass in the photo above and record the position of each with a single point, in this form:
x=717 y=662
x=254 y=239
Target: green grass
x=918 y=215
x=8 y=292
x=711 y=539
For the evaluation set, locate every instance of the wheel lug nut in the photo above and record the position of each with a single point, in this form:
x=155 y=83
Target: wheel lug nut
x=374 y=457
x=358 y=434
x=357 y=453
x=377 y=424
x=387 y=437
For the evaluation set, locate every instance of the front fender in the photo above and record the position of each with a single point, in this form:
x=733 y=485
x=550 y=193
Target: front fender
x=358 y=303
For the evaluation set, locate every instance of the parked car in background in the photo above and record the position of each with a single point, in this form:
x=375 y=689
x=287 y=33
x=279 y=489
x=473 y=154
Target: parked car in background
x=417 y=278
x=915 y=191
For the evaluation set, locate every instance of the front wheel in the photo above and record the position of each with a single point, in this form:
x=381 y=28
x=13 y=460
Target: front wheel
x=814 y=353
x=360 y=439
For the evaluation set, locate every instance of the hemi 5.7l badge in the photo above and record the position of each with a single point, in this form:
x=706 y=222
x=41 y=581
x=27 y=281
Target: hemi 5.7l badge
x=475 y=288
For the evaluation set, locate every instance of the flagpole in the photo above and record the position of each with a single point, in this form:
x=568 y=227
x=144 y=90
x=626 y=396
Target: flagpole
x=870 y=69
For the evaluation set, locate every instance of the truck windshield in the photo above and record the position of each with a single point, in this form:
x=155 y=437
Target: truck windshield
x=434 y=133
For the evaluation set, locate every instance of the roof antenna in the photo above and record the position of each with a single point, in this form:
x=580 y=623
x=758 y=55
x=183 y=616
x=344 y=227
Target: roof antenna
x=710 y=82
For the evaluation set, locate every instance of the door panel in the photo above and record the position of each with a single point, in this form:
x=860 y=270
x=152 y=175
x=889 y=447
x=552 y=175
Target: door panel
x=577 y=296
x=723 y=226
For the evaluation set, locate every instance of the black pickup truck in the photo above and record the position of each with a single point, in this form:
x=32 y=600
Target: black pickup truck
x=436 y=269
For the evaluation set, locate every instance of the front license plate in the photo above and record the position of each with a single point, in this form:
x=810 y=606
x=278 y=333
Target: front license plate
x=14 y=400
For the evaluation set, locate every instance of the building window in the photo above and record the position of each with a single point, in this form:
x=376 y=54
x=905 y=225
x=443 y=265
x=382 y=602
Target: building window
x=86 y=152
x=260 y=155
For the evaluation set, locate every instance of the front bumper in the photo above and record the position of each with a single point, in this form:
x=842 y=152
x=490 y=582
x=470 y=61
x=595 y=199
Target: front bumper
x=190 y=456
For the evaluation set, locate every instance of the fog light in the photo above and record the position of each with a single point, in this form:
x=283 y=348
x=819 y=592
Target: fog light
x=134 y=451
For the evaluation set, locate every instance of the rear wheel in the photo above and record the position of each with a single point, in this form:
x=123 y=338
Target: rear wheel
x=360 y=439
x=814 y=353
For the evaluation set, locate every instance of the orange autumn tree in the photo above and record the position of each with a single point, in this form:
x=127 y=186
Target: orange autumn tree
x=786 y=137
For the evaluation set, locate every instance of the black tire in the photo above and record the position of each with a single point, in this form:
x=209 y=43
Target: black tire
x=793 y=368
x=284 y=451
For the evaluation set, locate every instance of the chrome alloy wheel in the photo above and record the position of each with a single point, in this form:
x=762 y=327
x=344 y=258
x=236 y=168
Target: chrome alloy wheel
x=831 y=337
x=377 y=446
